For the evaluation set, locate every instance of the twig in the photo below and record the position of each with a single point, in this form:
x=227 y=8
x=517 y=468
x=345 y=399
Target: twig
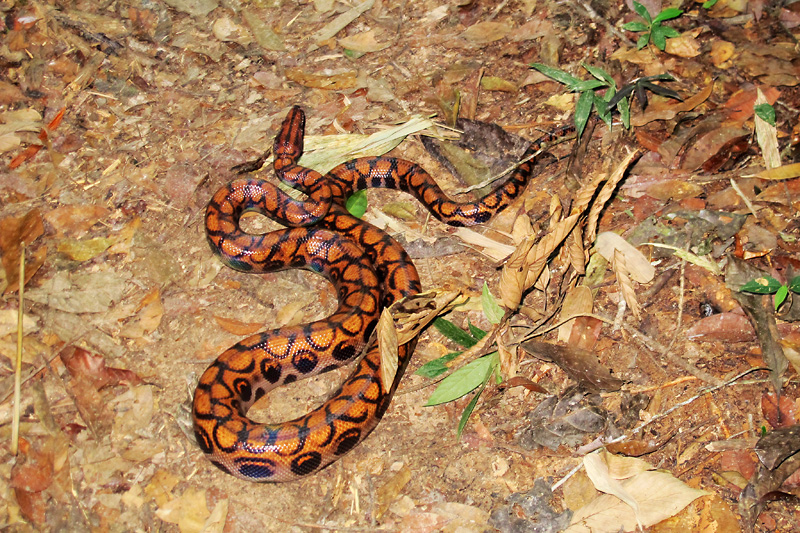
x=744 y=198
x=18 y=369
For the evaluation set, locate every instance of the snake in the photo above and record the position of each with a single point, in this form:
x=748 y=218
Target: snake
x=369 y=271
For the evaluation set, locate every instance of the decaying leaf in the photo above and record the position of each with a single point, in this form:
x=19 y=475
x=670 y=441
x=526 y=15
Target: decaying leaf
x=621 y=270
x=778 y=452
x=92 y=367
x=14 y=231
x=639 y=267
x=658 y=495
x=387 y=345
x=581 y=365
x=767 y=136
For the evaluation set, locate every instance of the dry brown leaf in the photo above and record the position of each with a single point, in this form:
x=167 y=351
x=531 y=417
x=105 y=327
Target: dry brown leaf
x=586 y=193
x=363 y=42
x=415 y=312
x=509 y=357
x=148 y=316
x=388 y=492
x=189 y=511
x=333 y=82
x=685 y=45
x=13 y=232
x=783 y=172
x=767 y=136
x=92 y=367
x=537 y=257
x=668 y=108
x=722 y=327
x=486 y=32
x=237 y=327
x=620 y=266
x=581 y=365
x=578 y=301
x=74 y=220
x=721 y=52
x=514 y=274
x=388 y=347
x=674 y=190
x=740 y=104
x=81 y=292
x=638 y=266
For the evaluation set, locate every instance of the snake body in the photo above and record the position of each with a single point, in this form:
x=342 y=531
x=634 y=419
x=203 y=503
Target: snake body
x=369 y=271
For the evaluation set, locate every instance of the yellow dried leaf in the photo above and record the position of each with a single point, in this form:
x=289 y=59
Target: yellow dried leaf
x=188 y=511
x=493 y=83
x=721 y=52
x=84 y=250
x=685 y=45
x=784 y=172
x=674 y=189
x=579 y=300
x=625 y=284
x=767 y=136
x=639 y=267
x=363 y=42
x=562 y=102
x=332 y=82
x=387 y=344
x=486 y=32
x=238 y=327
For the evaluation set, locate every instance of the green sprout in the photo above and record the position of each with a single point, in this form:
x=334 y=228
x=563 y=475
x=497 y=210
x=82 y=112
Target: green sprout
x=591 y=97
x=770 y=285
x=652 y=27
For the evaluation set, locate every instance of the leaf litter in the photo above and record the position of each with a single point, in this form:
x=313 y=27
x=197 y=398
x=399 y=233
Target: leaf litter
x=117 y=125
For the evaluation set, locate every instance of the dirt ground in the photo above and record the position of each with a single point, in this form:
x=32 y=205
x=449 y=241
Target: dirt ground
x=119 y=120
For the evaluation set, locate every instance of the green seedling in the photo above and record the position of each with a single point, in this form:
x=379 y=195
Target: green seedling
x=770 y=285
x=653 y=30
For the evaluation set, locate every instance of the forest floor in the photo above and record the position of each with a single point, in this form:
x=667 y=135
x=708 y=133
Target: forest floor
x=120 y=119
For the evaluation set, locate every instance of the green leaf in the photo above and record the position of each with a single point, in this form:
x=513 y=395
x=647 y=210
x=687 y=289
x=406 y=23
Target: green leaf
x=643 y=40
x=667 y=31
x=642 y=11
x=780 y=296
x=794 y=284
x=454 y=333
x=709 y=4
x=602 y=111
x=476 y=332
x=357 y=203
x=624 y=108
x=762 y=285
x=582 y=110
x=437 y=367
x=468 y=410
x=600 y=74
x=766 y=112
x=658 y=38
x=491 y=308
x=588 y=85
x=667 y=14
x=464 y=380
x=635 y=26
x=558 y=75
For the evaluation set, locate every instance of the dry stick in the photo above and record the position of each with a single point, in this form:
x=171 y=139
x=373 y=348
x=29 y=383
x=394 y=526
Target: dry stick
x=681 y=295
x=744 y=198
x=18 y=369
